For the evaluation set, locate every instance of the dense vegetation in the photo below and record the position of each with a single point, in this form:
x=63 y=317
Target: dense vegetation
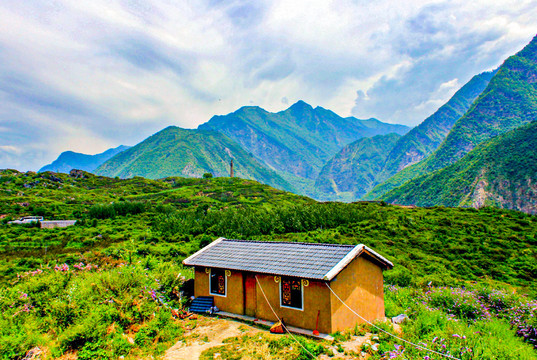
x=110 y=285
x=500 y=172
x=184 y=152
x=508 y=102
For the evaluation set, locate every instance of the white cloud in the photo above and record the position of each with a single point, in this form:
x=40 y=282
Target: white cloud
x=89 y=75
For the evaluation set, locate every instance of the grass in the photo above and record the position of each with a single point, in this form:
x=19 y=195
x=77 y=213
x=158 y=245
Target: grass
x=106 y=287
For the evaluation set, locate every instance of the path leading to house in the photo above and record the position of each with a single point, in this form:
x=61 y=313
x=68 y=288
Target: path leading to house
x=211 y=332
x=206 y=336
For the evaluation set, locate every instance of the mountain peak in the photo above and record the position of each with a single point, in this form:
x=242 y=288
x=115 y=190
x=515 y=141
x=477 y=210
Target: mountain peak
x=300 y=105
x=72 y=160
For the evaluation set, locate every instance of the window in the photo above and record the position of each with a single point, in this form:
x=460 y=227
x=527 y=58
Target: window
x=291 y=292
x=218 y=282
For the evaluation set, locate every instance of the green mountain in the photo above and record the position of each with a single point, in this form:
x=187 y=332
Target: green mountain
x=509 y=101
x=425 y=138
x=340 y=180
x=501 y=172
x=297 y=141
x=353 y=170
x=183 y=152
x=69 y=160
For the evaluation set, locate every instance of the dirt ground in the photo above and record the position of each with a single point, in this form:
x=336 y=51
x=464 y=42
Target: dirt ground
x=206 y=336
x=212 y=332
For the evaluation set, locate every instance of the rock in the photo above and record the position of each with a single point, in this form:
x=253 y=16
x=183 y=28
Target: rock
x=34 y=353
x=399 y=319
x=55 y=178
x=375 y=347
x=77 y=174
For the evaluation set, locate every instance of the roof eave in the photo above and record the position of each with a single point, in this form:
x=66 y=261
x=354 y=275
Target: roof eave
x=353 y=254
x=188 y=260
x=388 y=263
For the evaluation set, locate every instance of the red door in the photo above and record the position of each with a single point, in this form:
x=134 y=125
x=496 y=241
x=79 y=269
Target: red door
x=250 y=294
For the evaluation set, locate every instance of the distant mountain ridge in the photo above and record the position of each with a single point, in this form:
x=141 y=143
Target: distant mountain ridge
x=298 y=140
x=174 y=151
x=422 y=140
x=286 y=149
x=509 y=101
x=359 y=166
x=501 y=172
x=352 y=172
x=69 y=160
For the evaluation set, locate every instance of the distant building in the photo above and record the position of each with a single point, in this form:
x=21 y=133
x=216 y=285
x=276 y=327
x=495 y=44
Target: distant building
x=50 y=224
x=45 y=224
x=26 y=220
x=294 y=278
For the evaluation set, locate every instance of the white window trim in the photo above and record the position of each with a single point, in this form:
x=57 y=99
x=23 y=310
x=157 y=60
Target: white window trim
x=210 y=288
x=301 y=293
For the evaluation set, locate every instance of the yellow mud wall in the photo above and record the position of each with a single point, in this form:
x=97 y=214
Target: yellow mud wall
x=316 y=297
x=232 y=302
x=359 y=285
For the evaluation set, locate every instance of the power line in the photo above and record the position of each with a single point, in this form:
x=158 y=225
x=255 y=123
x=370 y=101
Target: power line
x=384 y=331
x=285 y=327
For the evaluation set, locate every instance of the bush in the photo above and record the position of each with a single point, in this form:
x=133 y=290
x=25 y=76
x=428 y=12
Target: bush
x=121 y=208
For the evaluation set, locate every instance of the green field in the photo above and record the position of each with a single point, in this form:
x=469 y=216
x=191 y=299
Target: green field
x=463 y=276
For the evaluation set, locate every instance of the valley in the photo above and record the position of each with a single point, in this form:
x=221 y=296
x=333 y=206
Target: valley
x=451 y=203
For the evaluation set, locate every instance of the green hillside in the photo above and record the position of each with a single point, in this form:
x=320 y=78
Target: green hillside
x=299 y=140
x=352 y=172
x=69 y=160
x=109 y=286
x=501 y=172
x=509 y=101
x=182 y=152
x=425 y=138
x=355 y=170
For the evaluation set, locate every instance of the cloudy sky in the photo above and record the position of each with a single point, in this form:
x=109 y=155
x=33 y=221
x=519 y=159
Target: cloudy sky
x=89 y=75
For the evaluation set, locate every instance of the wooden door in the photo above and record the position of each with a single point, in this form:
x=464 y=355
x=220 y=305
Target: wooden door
x=250 y=294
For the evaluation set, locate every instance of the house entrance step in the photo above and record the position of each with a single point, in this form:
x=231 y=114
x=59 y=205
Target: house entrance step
x=268 y=323
x=202 y=304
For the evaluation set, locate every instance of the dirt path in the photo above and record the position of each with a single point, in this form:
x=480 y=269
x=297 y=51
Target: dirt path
x=211 y=332
x=205 y=337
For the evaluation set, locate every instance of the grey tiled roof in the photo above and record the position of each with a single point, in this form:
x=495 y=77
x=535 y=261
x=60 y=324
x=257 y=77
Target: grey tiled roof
x=304 y=260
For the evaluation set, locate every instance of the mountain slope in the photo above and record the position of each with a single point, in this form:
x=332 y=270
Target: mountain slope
x=352 y=171
x=509 y=101
x=175 y=151
x=500 y=172
x=410 y=148
x=299 y=140
x=422 y=140
x=72 y=160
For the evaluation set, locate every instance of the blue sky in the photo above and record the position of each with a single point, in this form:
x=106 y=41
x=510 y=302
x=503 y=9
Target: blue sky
x=90 y=75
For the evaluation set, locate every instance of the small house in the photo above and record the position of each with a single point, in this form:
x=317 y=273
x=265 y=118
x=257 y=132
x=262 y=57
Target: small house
x=249 y=277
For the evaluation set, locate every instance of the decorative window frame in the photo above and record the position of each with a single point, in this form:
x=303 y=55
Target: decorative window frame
x=210 y=282
x=301 y=294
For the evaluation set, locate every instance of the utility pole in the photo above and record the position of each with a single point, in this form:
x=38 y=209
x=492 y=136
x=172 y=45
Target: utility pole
x=231 y=169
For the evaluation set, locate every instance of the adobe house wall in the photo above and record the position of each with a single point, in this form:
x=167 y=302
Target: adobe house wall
x=361 y=286
x=232 y=302
x=316 y=297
